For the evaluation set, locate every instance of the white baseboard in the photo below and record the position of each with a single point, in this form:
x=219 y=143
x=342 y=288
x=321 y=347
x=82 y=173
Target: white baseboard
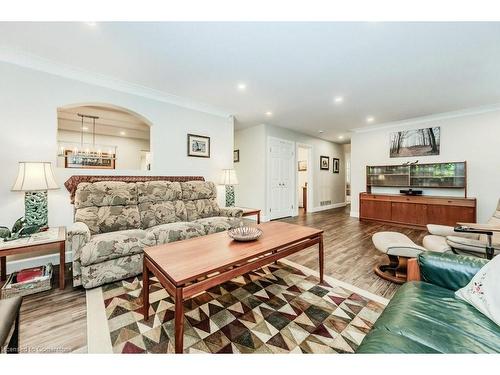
x=328 y=207
x=354 y=213
x=19 y=264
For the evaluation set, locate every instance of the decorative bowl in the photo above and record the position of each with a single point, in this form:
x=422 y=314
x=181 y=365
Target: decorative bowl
x=244 y=233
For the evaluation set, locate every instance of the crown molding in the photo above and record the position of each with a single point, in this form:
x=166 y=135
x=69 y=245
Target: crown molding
x=433 y=117
x=34 y=62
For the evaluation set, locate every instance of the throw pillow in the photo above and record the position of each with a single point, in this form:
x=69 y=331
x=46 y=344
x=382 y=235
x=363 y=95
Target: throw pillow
x=483 y=291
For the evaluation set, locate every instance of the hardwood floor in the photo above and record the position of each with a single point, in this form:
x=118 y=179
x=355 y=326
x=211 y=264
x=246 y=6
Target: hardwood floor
x=349 y=252
x=55 y=321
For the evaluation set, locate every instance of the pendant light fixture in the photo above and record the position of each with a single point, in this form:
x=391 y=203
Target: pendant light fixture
x=86 y=154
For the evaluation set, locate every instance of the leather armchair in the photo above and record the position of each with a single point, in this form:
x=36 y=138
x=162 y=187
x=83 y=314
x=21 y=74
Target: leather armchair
x=444 y=238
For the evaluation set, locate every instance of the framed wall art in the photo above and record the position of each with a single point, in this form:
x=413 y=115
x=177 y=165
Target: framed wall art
x=324 y=163
x=415 y=142
x=198 y=146
x=335 y=165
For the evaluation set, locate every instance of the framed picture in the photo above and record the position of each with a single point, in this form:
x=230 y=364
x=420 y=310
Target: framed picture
x=336 y=165
x=415 y=142
x=324 y=163
x=302 y=165
x=93 y=161
x=198 y=146
x=236 y=156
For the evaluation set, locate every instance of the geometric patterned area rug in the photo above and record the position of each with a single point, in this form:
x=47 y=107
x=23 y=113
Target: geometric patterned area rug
x=275 y=309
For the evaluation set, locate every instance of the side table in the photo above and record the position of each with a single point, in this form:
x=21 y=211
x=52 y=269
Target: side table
x=250 y=212
x=48 y=240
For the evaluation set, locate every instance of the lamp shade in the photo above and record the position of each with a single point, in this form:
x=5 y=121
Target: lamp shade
x=35 y=176
x=229 y=177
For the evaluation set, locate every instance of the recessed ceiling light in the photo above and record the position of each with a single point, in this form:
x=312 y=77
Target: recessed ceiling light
x=341 y=137
x=85 y=128
x=338 y=99
x=123 y=133
x=241 y=86
x=92 y=24
x=321 y=131
x=370 y=119
x=269 y=113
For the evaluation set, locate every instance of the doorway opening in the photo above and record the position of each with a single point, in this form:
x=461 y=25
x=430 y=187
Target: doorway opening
x=304 y=179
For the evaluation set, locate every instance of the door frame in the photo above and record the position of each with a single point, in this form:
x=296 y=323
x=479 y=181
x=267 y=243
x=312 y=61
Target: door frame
x=309 y=176
x=268 y=179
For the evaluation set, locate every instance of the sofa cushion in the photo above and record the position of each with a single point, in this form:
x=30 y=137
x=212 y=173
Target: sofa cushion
x=156 y=213
x=434 y=320
x=482 y=290
x=106 y=246
x=192 y=190
x=201 y=208
x=105 y=193
x=381 y=341
x=158 y=191
x=109 y=218
x=218 y=223
x=166 y=233
x=111 y=270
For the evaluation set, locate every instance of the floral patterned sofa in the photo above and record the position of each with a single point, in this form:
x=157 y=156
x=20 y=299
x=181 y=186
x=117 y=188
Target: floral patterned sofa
x=116 y=220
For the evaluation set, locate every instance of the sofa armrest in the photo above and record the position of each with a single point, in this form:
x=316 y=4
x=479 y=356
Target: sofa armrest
x=77 y=236
x=448 y=270
x=445 y=230
x=231 y=212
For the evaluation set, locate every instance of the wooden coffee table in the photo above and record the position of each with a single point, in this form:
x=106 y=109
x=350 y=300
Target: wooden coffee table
x=186 y=268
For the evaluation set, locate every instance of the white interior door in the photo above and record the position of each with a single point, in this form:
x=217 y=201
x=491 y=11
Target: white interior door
x=281 y=178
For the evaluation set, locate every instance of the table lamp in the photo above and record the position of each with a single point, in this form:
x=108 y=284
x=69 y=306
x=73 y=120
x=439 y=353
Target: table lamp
x=229 y=179
x=35 y=178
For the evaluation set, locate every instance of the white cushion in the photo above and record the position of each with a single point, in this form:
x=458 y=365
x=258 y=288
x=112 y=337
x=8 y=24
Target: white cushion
x=467 y=244
x=482 y=291
x=445 y=230
x=436 y=243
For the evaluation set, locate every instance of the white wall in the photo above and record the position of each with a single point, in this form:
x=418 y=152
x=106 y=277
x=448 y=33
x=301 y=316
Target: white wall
x=128 y=150
x=474 y=138
x=252 y=167
x=302 y=155
x=28 y=105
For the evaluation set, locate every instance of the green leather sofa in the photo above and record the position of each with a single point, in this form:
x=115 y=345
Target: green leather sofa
x=426 y=317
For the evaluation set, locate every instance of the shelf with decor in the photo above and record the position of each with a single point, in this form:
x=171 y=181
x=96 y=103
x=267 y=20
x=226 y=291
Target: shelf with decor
x=450 y=175
x=417 y=211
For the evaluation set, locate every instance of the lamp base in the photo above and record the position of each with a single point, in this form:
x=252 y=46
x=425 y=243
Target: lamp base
x=229 y=196
x=35 y=209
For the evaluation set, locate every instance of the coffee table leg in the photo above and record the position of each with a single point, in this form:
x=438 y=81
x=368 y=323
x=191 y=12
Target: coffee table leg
x=62 y=265
x=321 y=258
x=145 y=290
x=3 y=268
x=179 y=321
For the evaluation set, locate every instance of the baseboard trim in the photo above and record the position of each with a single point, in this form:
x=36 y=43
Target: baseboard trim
x=328 y=207
x=19 y=264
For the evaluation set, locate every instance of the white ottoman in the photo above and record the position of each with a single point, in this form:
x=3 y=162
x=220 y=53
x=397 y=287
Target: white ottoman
x=398 y=248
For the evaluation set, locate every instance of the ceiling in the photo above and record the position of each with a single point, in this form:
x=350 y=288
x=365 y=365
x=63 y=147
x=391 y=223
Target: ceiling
x=390 y=71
